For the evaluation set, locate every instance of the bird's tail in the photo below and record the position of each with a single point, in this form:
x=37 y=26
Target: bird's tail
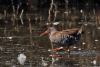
x=80 y=30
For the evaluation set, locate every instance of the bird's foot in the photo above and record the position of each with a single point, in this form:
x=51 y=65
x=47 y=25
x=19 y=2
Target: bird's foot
x=57 y=49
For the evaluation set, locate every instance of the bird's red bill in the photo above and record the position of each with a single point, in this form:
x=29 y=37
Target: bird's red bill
x=44 y=33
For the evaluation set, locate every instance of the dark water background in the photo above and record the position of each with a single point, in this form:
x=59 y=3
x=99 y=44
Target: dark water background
x=24 y=37
x=18 y=39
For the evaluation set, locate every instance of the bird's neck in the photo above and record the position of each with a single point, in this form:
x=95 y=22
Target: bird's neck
x=52 y=32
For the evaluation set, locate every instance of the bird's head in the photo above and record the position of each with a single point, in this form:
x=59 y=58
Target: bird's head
x=48 y=31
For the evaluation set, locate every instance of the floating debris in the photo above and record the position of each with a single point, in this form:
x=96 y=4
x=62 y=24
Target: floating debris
x=48 y=23
x=81 y=11
x=56 y=23
x=94 y=47
x=7 y=63
x=79 y=49
x=83 y=43
x=94 y=62
x=44 y=63
x=10 y=38
x=49 y=50
x=85 y=24
x=98 y=28
x=21 y=59
x=74 y=47
x=96 y=40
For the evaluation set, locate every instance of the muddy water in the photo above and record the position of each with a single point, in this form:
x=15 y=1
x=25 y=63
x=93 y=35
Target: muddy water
x=17 y=39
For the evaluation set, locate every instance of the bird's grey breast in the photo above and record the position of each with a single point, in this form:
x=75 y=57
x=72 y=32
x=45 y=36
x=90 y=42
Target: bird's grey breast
x=56 y=38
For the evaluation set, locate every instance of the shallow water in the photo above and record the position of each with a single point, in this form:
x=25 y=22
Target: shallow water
x=18 y=39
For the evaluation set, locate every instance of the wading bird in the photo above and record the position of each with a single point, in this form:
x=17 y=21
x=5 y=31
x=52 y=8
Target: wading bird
x=64 y=38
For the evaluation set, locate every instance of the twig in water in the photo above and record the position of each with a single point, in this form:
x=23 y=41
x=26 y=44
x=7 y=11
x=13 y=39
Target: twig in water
x=51 y=11
x=30 y=29
x=21 y=16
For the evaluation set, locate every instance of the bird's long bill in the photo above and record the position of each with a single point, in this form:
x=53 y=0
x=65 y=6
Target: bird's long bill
x=44 y=33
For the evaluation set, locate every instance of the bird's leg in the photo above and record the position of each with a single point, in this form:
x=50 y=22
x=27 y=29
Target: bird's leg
x=68 y=52
x=52 y=46
x=53 y=55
